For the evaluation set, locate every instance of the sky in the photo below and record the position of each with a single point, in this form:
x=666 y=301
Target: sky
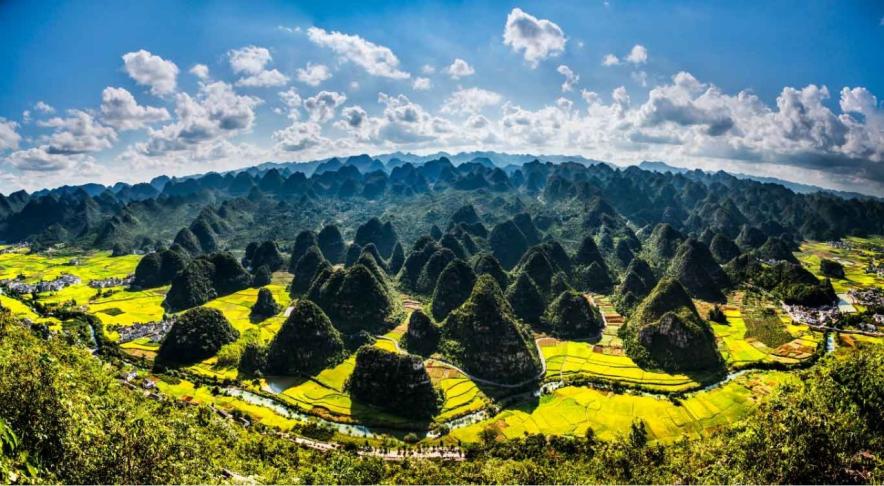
x=125 y=91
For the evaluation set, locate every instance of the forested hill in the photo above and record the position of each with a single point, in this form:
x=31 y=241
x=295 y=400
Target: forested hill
x=568 y=199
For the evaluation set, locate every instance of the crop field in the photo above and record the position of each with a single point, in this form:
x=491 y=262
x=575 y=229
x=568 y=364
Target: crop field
x=41 y=266
x=854 y=260
x=566 y=360
x=461 y=395
x=571 y=410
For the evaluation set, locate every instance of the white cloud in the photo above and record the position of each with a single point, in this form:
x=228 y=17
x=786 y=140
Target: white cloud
x=571 y=78
x=610 y=60
x=538 y=39
x=200 y=70
x=216 y=112
x=292 y=100
x=120 y=110
x=470 y=100
x=150 y=70
x=638 y=55
x=460 y=69
x=375 y=59
x=321 y=107
x=43 y=107
x=9 y=137
x=78 y=133
x=428 y=69
x=421 y=84
x=300 y=136
x=251 y=62
x=314 y=74
x=590 y=97
x=38 y=159
x=640 y=77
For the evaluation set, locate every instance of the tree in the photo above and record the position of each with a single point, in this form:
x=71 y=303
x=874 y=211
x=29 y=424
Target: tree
x=262 y=276
x=422 y=336
x=267 y=254
x=303 y=241
x=196 y=335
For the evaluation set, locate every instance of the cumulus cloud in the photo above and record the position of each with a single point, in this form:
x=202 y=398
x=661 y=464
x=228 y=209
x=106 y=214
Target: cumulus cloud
x=300 y=136
x=460 y=69
x=470 y=100
x=153 y=71
x=251 y=62
x=216 y=112
x=637 y=55
x=292 y=100
x=375 y=59
x=43 y=107
x=610 y=60
x=78 y=133
x=120 y=110
x=39 y=159
x=571 y=78
x=201 y=71
x=428 y=69
x=421 y=84
x=314 y=74
x=9 y=137
x=537 y=39
x=321 y=107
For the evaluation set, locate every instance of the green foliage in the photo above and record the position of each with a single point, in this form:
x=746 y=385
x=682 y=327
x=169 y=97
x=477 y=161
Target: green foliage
x=717 y=315
x=331 y=243
x=383 y=235
x=570 y=315
x=666 y=332
x=159 y=268
x=303 y=241
x=196 y=335
x=508 y=243
x=306 y=343
x=831 y=268
x=526 y=299
x=307 y=268
x=422 y=335
x=265 y=306
x=262 y=276
x=453 y=288
x=395 y=382
x=486 y=339
x=430 y=272
x=205 y=278
x=267 y=253
x=487 y=264
x=353 y=299
x=698 y=272
x=723 y=249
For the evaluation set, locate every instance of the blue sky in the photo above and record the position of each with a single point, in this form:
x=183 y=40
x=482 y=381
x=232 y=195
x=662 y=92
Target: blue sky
x=788 y=89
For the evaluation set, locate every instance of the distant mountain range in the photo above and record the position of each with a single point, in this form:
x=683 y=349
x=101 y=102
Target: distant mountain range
x=796 y=187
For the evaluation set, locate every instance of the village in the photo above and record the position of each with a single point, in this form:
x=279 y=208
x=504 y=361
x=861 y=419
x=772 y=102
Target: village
x=19 y=286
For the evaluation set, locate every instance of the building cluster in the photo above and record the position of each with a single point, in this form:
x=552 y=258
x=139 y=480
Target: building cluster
x=21 y=287
x=813 y=316
x=840 y=244
x=111 y=282
x=875 y=268
x=868 y=297
x=154 y=331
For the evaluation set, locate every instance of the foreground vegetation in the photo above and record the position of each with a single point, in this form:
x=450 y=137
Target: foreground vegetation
x=69 y=420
